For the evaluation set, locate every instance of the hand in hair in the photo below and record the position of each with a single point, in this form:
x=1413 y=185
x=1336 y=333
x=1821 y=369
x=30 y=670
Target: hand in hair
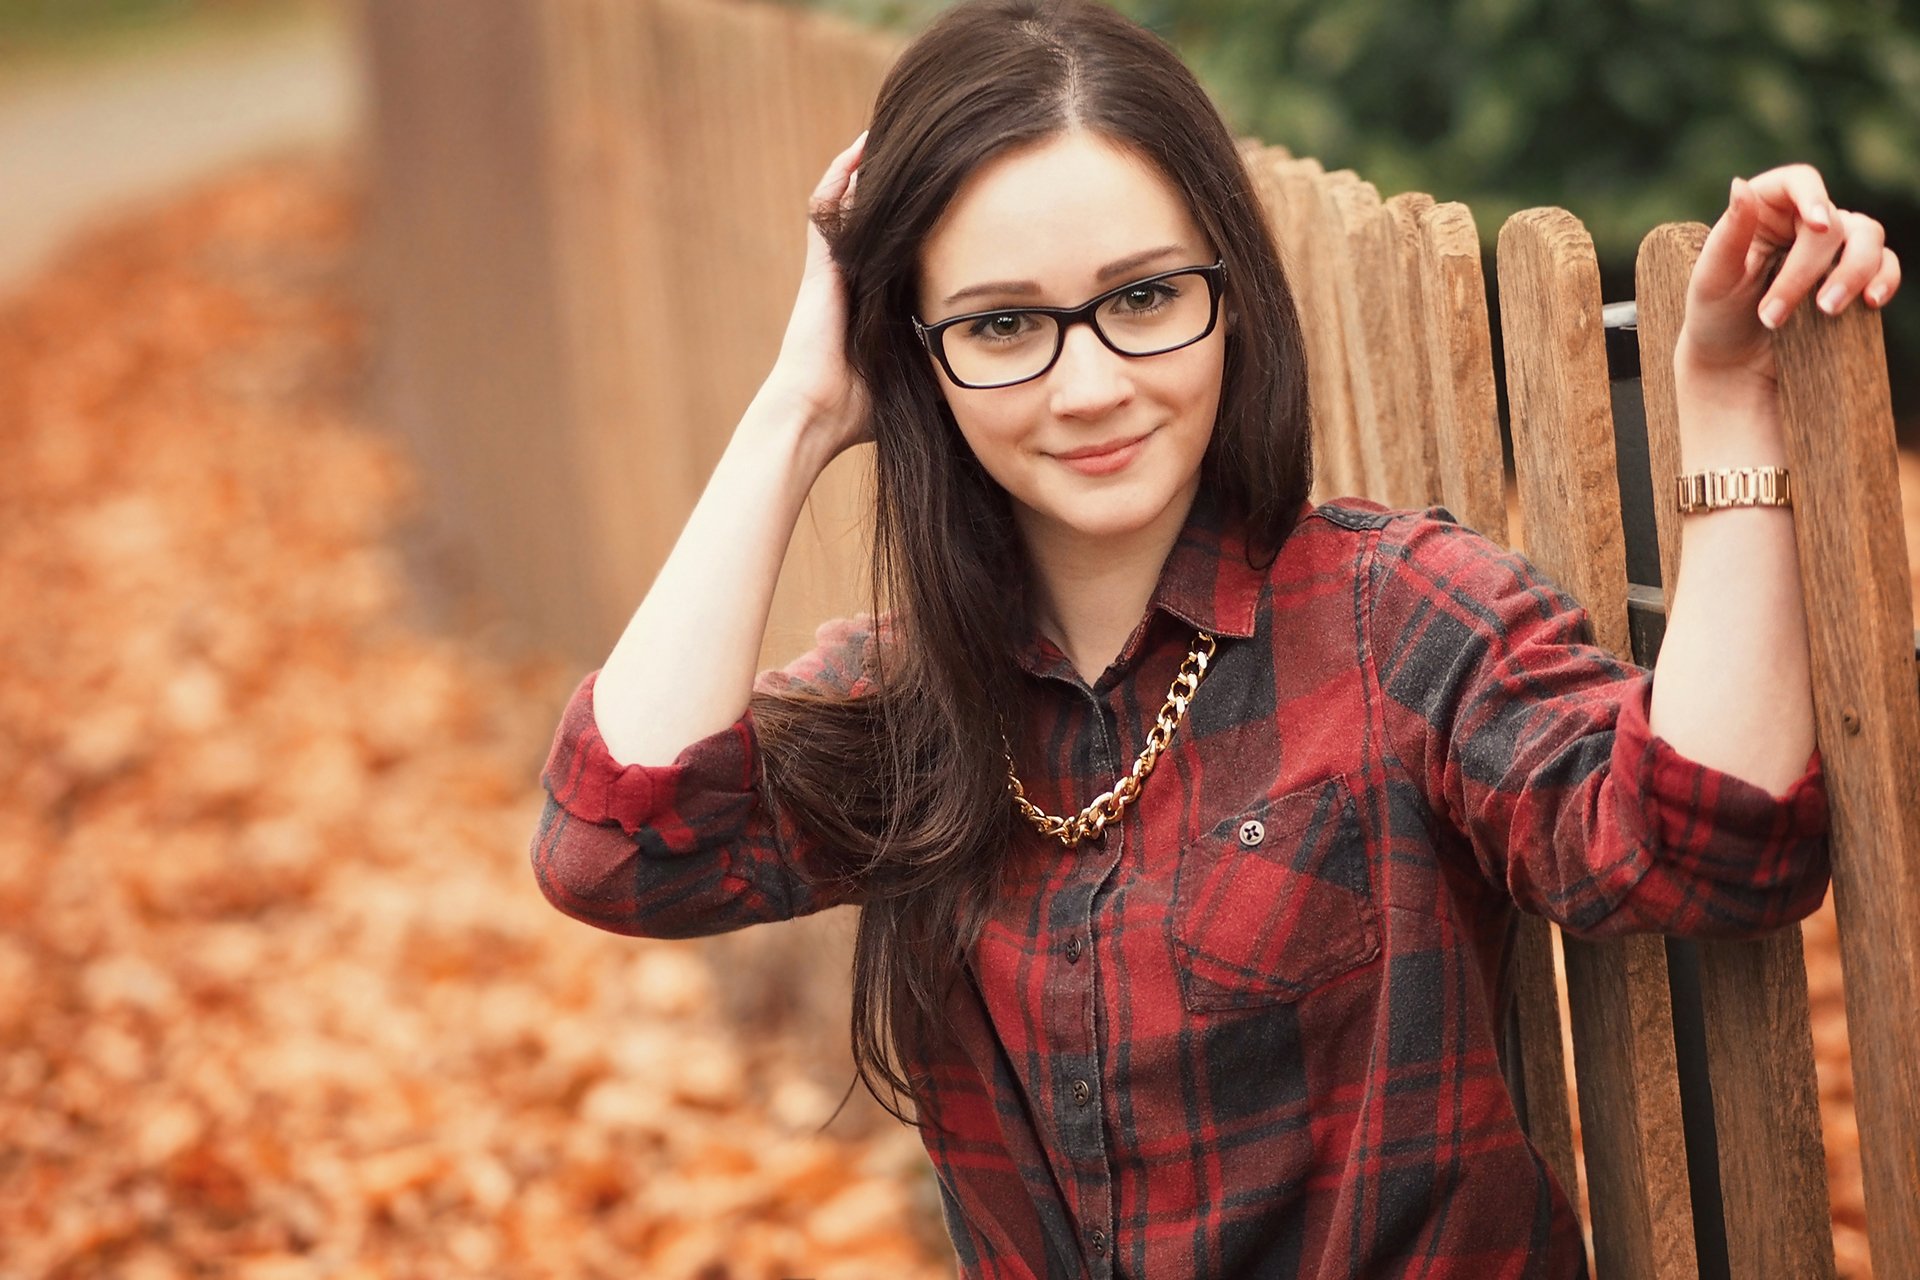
x=811 y=373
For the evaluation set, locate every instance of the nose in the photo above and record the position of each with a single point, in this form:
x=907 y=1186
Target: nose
x=1088 y=379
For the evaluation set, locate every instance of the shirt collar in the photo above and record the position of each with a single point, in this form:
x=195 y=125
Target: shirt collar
x=1206 y=583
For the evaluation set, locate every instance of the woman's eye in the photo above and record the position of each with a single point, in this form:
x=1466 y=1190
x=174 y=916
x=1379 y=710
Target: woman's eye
x=1145 y=297
x=1008 y=324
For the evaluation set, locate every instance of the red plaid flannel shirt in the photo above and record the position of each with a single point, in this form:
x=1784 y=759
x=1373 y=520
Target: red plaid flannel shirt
x=1251 y=1032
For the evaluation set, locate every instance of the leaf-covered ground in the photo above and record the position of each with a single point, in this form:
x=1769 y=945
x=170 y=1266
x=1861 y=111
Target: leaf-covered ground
x=278 y=997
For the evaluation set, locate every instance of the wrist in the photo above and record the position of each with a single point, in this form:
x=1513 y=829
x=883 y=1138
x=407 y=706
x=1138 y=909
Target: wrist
x=780 y=433
x=1727 y=417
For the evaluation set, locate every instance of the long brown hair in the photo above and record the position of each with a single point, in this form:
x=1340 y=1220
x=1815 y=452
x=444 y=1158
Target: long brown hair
x=906 y=786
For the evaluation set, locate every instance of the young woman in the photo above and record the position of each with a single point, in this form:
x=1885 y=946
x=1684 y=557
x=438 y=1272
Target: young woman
x=1187 y=820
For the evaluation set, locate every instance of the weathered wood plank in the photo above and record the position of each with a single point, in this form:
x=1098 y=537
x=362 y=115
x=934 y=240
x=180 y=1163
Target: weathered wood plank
x=1840 y=446
x=1459 y=355
x=1621 y=1010
x=1350 y=207
x=1308 y=243
x=1398 y=237
x=1766 y=1100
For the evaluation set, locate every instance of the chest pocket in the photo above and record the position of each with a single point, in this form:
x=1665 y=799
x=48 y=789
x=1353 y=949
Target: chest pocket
x=1274 y=901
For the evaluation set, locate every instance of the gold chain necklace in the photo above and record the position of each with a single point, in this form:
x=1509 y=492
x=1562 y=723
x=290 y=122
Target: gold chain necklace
x=1092 y=821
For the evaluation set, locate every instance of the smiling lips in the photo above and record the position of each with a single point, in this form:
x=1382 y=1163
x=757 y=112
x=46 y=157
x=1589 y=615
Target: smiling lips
x=1103 y=459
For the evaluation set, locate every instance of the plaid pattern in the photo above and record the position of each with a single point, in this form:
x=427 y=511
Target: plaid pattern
x=1250 y=1033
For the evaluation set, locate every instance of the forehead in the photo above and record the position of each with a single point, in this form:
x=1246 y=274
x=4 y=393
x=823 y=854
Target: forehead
x=1054 y=214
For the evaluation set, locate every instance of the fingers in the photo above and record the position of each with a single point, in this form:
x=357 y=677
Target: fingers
x=1726 y=259
x=1886 y=282
x=837 y=182
x=1812 y=254
x=1798 y=189
x=1840 y=252
x=1860 y=262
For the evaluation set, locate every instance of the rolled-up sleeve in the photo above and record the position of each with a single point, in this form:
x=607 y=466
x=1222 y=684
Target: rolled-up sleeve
x=1534 y=745
x=692 y=847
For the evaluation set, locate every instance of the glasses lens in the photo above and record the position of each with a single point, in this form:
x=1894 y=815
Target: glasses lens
x=1144 y=319
x=1140 y=320
x=1005 y=346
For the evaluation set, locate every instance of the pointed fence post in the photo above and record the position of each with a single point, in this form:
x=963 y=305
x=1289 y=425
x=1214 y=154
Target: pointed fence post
x=1766 y=1100
x=1837 y=410
x=1569 y=495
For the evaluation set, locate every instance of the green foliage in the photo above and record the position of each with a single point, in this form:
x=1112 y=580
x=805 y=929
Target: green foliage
x=1626 y=113
x=32 y=29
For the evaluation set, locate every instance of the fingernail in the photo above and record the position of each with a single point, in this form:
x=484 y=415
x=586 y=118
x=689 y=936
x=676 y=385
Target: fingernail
x=862 y=138
x=1830 y=300
x=1772 y=314
x=1820 y=218
x=1876 y=295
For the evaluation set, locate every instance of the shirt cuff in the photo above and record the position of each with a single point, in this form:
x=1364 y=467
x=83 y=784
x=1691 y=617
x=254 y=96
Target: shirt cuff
x=1705 y=815
x=590 y=784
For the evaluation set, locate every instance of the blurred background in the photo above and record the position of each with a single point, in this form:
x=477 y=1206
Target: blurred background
x=343 y=424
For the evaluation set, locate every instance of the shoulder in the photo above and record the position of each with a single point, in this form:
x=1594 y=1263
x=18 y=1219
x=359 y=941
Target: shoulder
x=1428 y=532
x=1427 y=553
x=841 y=660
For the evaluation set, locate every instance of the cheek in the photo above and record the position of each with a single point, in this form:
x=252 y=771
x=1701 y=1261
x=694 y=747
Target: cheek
x=992 y=425
x=1201 y=392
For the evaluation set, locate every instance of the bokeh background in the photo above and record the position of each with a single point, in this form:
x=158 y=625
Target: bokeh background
x=278 y=995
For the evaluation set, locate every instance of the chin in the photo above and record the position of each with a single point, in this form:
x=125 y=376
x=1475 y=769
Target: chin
x=1118 y=514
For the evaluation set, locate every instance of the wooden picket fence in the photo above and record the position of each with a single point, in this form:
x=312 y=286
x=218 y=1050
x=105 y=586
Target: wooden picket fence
x=589 y=213
x=1381 y=279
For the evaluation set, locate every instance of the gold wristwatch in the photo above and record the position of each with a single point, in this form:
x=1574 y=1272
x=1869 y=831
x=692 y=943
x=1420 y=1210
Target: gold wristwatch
x=1733 y=487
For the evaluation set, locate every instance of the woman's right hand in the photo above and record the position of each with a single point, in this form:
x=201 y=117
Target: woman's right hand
x=812 y=376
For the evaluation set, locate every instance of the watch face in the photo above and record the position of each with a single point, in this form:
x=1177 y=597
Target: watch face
x=1734 y=487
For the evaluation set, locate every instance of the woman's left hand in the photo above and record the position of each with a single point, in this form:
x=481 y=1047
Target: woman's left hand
x=1735 y=298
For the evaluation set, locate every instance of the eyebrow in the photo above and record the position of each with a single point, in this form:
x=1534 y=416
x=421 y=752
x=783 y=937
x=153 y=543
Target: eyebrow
x=1027 y=288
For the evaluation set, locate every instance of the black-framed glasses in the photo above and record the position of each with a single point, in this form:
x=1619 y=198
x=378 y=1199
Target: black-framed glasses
x=1148 y=317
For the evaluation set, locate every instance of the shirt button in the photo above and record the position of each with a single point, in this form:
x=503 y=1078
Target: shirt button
x=1252 y=832
x=1073 y=949
x=1082 y=1093
x=1099 y=1242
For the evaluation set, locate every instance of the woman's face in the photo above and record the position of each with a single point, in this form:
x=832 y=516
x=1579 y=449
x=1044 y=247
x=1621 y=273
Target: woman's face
x=1057 y=224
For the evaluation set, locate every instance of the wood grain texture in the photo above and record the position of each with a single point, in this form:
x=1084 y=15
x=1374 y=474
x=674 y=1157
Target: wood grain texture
x=1853 y=559
x=1766 y=1100
x=1416 y=445
x=1621 y=1010
x=469 y=359
x=1377 y=308
x=1459 y=356
x=1350 y=208
x=1309 y=253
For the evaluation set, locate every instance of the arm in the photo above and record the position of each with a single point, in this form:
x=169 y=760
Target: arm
x=1535 y=745
x=690 y=847
x=653 y=822
x=1732 y=686
x=683 y=666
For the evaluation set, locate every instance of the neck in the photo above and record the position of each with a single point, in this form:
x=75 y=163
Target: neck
x=1091 y=591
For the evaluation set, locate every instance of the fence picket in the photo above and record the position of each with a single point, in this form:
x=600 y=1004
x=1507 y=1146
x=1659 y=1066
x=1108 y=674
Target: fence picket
x=1459 y=355
x=1398 y=247
x=1621 y=1008
x=1308 y=240
x=1766 y=1101
x=1837 y=411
